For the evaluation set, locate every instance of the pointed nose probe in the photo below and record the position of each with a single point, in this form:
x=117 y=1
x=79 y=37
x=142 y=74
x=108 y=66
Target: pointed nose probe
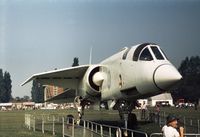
x=165 y=76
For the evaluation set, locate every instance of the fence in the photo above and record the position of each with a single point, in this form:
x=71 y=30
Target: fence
x=191 y=125
x=67 y=126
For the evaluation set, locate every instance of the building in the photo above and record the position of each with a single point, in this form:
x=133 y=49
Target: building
x=164 y=99
x=51 y=91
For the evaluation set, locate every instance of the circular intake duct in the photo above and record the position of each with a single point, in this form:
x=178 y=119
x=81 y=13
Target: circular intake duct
x=95 y=78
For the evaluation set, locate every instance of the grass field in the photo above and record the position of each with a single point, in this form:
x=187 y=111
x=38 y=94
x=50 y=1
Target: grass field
x=12 y=125
x=12 y=122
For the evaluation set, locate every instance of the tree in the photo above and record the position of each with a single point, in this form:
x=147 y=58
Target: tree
x=37 y=92
x=17 y=98
x=8 y=87
x=2 y=86
x=5 y=87
x=76 y=62
x=26 y=98
x=189 y=88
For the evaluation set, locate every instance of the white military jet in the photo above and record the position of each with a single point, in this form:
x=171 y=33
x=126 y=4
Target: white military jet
x=133 y=73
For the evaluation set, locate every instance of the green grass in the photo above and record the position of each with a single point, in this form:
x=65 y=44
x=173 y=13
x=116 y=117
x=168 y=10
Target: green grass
x=12 y=122
x=12 y=125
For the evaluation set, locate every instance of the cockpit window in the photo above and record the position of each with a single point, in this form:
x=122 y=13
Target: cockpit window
x=146 y=55
x=164 y=54
x=138 y=50
x=125 y=54
x=157 y=53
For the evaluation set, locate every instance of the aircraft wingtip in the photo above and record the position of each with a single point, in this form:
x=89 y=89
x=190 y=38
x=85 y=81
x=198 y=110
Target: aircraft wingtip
x=28 y=80
x=23 y=83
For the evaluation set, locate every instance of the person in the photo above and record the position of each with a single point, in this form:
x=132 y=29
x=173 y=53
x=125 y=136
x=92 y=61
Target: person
x=195 y=105
x=79 y=115
x=157 y=113
x=171 y=129
x=144 y=108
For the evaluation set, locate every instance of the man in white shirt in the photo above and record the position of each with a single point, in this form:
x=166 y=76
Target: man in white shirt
x=170 y=129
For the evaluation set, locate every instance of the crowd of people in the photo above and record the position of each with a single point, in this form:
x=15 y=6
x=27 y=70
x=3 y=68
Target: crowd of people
x=33 y=106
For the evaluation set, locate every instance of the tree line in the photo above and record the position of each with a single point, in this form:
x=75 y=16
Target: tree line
x=5 y=87
x=189 y=87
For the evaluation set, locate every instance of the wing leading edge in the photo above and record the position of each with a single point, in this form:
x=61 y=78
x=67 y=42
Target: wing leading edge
x=66 y=78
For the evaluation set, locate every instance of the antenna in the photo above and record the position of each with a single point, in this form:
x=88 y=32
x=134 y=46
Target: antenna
x=90 y=61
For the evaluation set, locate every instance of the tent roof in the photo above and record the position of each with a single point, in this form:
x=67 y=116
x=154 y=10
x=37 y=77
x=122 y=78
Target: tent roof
x=164 y=96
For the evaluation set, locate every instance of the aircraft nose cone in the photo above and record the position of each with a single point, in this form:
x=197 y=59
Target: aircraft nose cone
x=166 y=76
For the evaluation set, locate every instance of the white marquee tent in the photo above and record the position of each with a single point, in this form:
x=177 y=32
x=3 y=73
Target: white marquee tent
x=164 y=98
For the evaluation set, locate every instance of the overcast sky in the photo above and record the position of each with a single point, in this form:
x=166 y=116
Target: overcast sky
x=40 y=35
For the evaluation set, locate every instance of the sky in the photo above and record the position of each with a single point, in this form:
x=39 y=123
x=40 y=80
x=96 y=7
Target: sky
x=41 y=35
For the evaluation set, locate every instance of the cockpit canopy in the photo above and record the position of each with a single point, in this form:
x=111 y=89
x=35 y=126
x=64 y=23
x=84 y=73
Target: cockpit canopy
x=147 y=52
x=146 y=55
